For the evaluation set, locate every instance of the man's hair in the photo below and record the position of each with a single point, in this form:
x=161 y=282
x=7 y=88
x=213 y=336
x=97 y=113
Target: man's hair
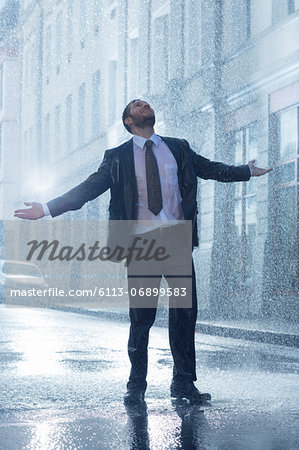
x=126 y=114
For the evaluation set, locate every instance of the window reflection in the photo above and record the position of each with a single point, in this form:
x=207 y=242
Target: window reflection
x=238 y=216
x=160 y=53
x=286 y=173
x=238 y=139
x=288 y=136
x=245 y=149
x=286 y=187
x=286 y=254
x=251 y=153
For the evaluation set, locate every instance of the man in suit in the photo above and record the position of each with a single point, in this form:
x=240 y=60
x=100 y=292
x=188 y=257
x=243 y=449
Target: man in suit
x=151 y=178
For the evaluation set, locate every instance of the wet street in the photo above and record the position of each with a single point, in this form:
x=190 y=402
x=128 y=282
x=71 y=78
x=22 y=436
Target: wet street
x=63 y=377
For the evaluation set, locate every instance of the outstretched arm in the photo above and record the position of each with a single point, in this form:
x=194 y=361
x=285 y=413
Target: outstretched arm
x=213 y=170
x=95 y=185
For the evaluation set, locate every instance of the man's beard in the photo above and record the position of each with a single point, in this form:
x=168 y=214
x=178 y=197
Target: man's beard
x=144 y=121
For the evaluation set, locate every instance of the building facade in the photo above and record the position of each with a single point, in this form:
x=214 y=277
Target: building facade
x=9 y=113
x=224 y=74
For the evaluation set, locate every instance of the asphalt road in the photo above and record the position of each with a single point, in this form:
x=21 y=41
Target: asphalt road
x=63 y=376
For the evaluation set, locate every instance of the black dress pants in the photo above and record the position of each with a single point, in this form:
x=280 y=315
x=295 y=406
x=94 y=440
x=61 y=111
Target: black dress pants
x=182 y=321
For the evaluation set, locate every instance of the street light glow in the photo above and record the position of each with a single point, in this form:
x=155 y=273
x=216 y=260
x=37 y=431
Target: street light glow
x=39 y=185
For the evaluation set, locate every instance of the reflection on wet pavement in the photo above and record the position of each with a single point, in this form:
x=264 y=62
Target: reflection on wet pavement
x=64 y=375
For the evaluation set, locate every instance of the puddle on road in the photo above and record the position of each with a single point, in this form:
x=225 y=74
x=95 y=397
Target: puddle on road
x=158 y=425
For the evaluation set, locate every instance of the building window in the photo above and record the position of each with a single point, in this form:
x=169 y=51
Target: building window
x=241 y=22
x=69 y=24
x=81 y=114
x=1 y=127
x=113 y=13
x=33 y=64
x=133 y=68
x=1 y=86
x=83 y=18
x=245 y=219
x=281 y=9
x=68 y=123
x=161 y=51
x=31 y=148
x=97 y=8
x=24 y=151
x=285 y=198
x=26 y=68
x=248 y=18
x=93 y=210
x=47 y=137
x=96 y=104
x=48 y=51
x=293 y=5
x=112 y=70
x=58 y=37
x=192 y=24
x=57 y=131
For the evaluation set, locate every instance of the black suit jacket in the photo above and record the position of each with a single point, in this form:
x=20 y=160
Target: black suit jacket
x=117 y=173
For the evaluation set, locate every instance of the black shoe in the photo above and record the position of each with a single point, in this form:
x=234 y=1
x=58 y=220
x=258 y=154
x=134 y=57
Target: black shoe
x=133 y=397
x=186 y=389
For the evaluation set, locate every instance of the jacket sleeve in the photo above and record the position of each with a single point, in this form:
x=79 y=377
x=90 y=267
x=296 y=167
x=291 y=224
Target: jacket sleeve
x=213 y=170
x=95 y=185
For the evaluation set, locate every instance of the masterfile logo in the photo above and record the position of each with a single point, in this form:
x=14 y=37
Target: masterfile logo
x=140 y=249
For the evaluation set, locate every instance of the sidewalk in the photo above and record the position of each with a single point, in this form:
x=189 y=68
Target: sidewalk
x=268 y=332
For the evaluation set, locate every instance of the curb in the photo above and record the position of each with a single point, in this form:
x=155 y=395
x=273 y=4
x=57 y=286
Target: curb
x=267 y=337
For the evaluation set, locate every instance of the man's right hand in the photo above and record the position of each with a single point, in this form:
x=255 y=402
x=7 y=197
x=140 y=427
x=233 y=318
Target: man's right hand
x=35 y=212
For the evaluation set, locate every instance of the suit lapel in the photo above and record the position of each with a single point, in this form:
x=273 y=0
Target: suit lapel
x=127 y=170
x=127 y=160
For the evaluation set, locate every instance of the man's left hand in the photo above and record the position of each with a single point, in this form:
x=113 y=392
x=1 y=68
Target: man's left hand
x=256 y=171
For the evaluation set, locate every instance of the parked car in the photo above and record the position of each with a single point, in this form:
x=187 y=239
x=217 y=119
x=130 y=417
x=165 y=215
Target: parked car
x=20 y=275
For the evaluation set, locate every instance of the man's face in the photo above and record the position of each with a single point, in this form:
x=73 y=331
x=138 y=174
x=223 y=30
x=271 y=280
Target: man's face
x=141 y=114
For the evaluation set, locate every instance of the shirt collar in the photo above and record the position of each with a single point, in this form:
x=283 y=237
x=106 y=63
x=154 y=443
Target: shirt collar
x=140 y=141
